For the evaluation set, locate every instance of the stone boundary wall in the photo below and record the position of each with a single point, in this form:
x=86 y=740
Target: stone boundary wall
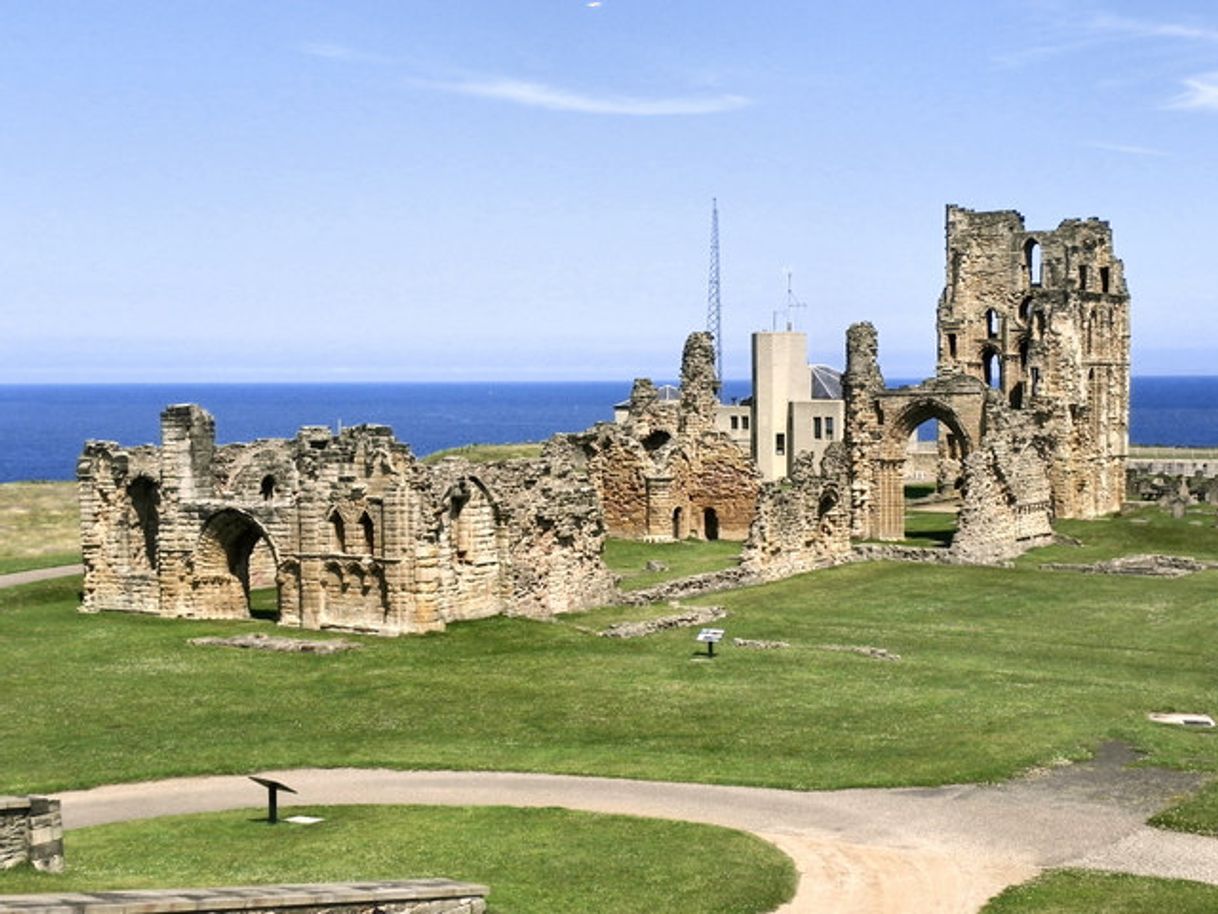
x=416 y=896
x=886 y=552
x=690 y=586
x=31 y=831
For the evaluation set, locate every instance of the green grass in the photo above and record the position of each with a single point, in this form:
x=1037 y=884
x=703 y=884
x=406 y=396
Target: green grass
x=929 y=528
x=1152 y=452
x=488 y=453
x=1141 y=530
x=629 y=558
x=1074 y=891
x=39 y=525
x=535 y=861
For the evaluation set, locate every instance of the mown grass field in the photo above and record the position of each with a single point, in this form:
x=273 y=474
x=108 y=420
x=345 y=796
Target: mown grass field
x=487 y=453
x=629 y=559
x=39 y=525
x=1001 y=670
x=1078 y=891
x=535 y=861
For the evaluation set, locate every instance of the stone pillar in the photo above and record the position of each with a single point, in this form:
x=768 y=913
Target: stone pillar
x=660 y=506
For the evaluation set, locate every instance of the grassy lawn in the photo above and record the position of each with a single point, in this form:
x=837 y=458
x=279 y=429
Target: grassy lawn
x=487 y=453
x=1002 y=669
x=1072 y=891
x=534 y=860
x=39 y=525
x=629 y=558
x=929 y=528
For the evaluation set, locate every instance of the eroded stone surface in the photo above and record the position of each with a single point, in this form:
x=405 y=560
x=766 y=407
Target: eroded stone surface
x=353 y=532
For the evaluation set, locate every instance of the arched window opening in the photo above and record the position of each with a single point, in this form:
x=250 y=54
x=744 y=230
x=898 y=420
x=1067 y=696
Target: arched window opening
x=145 y=498
x=338 y=533
x=1025 y=310
x=1082 y=279
x=1032 y=262
x=656 y=440
x=1104 y=279
x=991 y=323
x=828 y=501
x=1017 y=396
x=1035 y=381
x=677 y=517
x=951 y=345
x=268 y=487
x=991 y=364
x=1024 y=346
x=710 y=524
x=365 y=523
x=1038 y=325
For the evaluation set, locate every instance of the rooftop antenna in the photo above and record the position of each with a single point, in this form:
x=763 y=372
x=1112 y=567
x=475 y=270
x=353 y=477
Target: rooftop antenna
x=713 y=324
x=791 y=304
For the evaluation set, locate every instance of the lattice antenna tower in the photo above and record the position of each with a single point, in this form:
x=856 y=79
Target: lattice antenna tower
x=792 y=303
x=713 y=317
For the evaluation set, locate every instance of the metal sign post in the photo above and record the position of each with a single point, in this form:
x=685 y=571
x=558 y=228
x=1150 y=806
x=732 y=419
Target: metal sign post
x=272 y=796
x=710 y=637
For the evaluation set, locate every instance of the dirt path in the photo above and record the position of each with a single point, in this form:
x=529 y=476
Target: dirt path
x=922 y=850
x=40 y=574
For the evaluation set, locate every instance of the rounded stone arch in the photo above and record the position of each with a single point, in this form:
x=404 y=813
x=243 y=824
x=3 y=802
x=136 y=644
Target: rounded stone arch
x=233 y=551
x=890 y=481
x=902 y=423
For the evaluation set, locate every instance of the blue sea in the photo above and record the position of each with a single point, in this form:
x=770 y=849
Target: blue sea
x=42 y=427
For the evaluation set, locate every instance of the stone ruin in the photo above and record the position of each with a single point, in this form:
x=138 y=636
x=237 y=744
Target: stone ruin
x=31 y=832
x=1031 y=395
x=666 y=473
x=350 y=529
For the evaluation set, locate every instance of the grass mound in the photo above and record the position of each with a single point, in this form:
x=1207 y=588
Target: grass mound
x=535 y=861
x=1072 y=891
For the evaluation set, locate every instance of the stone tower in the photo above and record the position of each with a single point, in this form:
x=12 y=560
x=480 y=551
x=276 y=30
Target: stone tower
x=1043 y=317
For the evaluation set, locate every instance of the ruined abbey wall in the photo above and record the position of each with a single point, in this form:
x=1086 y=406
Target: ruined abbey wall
x=1043 y=317
x=667 y=473
x=351 y=531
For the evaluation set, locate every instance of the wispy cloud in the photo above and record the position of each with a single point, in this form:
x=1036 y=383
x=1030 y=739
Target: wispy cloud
x=1126 y=149
x=539 y=95
x=1144 y=28
x=1200 y=93
x=340 y=52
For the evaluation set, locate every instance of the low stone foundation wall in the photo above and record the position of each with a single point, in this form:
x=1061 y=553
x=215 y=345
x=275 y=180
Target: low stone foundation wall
x=727 y=579
x=31 y=831
x=417 y=896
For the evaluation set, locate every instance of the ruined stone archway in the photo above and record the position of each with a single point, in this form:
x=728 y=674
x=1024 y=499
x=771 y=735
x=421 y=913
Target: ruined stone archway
x=955 y=444
x=233 y=556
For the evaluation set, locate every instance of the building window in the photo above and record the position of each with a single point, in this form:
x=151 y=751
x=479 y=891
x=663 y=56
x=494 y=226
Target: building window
x=735 y=423
x=816 y=427
x=1104 y=279
x=829 y=427
x=1082 y=279
x=780 y=444
x=744 y=423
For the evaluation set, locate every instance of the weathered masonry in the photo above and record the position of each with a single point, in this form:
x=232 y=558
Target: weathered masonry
x=666 y=472
x=31 y=831
x=1031 y=392
x=1043 y=318
x=416 y=896
x=351 y=531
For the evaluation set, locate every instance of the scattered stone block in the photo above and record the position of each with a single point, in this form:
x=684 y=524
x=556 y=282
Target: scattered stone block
x=693 y=616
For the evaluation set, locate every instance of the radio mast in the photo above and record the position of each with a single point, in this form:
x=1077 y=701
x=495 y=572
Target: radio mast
x=713 y=322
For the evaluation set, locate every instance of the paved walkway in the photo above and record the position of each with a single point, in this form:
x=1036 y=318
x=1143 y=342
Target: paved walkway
x=922 y=850
x=40 y=574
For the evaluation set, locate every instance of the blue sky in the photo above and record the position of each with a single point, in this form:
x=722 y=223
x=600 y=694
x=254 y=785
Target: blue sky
x=468 y=190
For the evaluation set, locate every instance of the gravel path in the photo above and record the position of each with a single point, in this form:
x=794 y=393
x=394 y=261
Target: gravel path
x=924 y=850
x=40 y=574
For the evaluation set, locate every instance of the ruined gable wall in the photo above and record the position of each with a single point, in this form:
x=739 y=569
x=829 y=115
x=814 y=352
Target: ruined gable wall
x=802 y=523
x=1007 y=505
x=1052 y=336
x=861 y=384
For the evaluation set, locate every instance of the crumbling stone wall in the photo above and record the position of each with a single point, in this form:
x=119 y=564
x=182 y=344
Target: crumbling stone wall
x=31 y=831
x=666 y=472
x=802 y=523
x=353 y=532
x=1043 y=317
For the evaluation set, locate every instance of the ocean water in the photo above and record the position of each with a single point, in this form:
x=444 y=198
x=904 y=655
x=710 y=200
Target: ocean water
x=43 y=427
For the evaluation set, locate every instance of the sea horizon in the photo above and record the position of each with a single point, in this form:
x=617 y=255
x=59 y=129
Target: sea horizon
x=44 y=425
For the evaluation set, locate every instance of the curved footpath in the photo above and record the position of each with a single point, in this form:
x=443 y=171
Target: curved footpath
x=944 y=849
x=40 y=574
